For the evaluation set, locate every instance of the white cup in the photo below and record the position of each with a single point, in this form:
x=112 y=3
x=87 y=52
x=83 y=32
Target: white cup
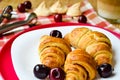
x=109 y=9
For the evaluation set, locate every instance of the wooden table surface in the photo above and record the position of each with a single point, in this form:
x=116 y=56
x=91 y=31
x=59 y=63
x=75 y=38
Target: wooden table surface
x=35 y=3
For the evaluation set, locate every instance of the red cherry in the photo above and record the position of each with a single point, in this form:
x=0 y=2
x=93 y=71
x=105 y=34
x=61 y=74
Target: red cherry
x=21 y=7
x=56 y=33
x=41 y=71
x=57 y=74
x=105 y=70
x=82 y=19
x=58 y=17
x=27 y=4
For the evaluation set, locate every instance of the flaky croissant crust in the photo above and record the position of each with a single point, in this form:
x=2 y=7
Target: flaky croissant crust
x=95 y=43
x=47 y=41
x=79 y=65
x=53 y=51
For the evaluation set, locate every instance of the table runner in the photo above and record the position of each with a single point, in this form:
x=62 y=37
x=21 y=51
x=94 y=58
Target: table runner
x=86 y=8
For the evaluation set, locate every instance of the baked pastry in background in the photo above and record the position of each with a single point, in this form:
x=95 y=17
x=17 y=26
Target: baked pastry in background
x=58 y=7
x=42 y=9
x=74 y=10
x=97 y=44
x=52 y=51
x=79 y=65
x=49 y=7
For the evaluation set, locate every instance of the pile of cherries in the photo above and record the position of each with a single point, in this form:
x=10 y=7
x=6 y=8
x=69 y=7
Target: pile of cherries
x=22 y=7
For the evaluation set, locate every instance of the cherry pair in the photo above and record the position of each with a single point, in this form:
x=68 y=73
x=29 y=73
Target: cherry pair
x=23 y=6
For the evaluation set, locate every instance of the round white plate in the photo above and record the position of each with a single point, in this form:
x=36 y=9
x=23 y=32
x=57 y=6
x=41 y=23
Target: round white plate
x=25 y=56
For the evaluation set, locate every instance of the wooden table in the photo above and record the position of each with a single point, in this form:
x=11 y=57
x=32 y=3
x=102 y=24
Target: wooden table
x=35 y=3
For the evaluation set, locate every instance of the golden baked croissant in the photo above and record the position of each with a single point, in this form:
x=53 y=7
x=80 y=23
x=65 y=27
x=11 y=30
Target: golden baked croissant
x=79 y=65
x=95 y=43
x=53 y=51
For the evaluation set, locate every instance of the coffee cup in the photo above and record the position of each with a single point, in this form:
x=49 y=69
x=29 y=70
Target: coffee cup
x=108 y=9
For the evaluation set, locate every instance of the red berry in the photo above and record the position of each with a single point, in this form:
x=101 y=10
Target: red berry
x=82 y=19
x=21 y=7
x=58 y=17
x=27 y=4
x=41 y=71
x=56 y=33
x=105 y=70
x=57 y=74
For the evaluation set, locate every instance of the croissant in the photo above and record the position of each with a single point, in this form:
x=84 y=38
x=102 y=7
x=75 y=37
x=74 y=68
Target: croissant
x=52 y=51
x=97 y=44
x=79 y=65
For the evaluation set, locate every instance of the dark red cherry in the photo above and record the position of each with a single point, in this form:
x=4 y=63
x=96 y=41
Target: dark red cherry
x=58 y=17
x=105 y=70
x=82 y=19
x=28 y=4
x=56 y=33
x=21 y=7
x=41 y=71
x=57 y=74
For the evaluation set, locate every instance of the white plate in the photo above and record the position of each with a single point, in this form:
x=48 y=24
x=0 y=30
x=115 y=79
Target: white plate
x=25 y=56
